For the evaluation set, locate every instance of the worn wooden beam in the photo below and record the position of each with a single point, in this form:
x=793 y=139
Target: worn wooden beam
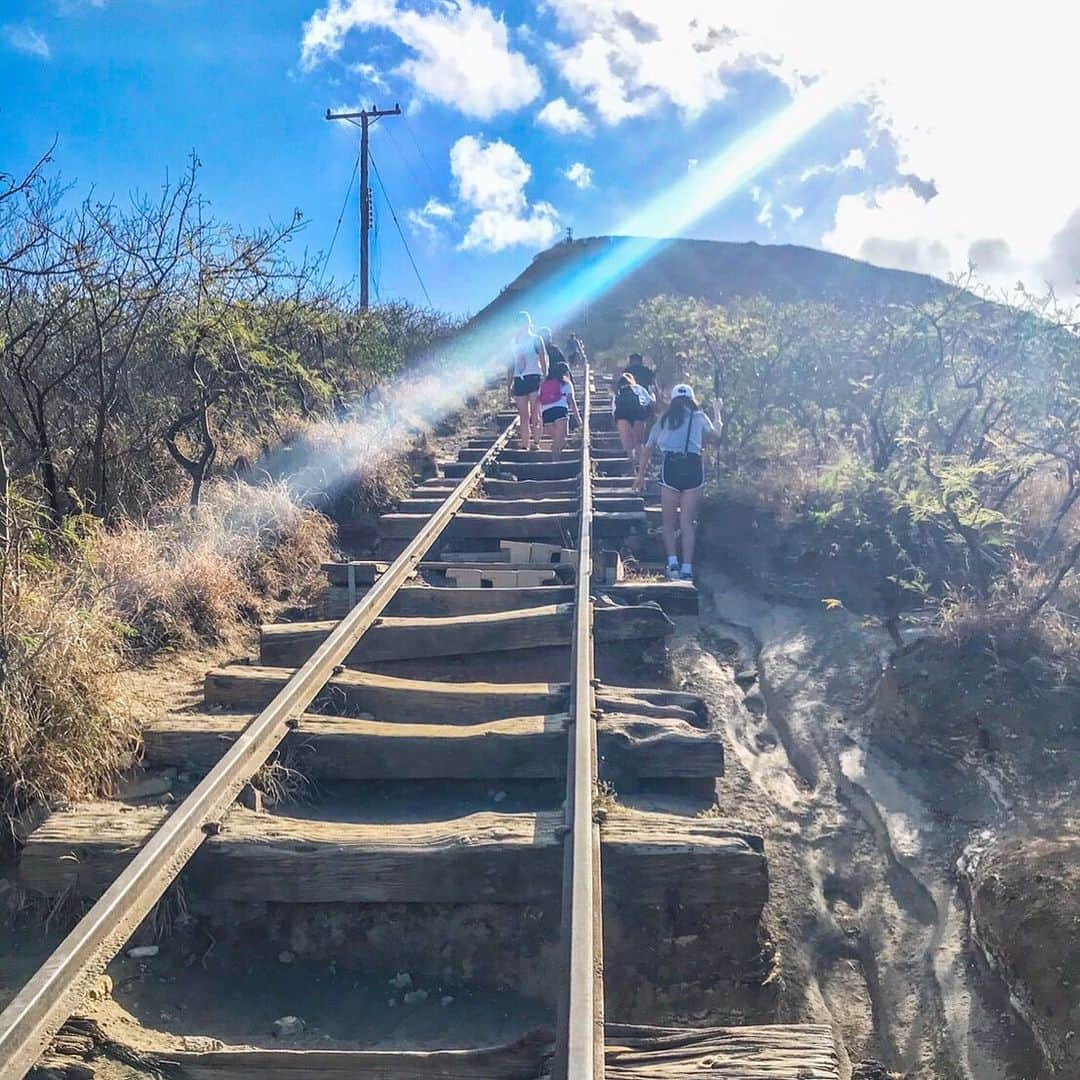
x=752 y=1052
x=674 y=597
x=290 y=644
x=517 y=748
x=521 y=506
x=541 y=470
x=392 y=699
x=523 y=527
x=484 y=857
x=427 y=601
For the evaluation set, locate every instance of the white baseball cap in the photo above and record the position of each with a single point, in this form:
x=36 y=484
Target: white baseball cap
x=682 y=390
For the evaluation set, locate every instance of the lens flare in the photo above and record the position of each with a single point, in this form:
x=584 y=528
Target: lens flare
x=443 y=382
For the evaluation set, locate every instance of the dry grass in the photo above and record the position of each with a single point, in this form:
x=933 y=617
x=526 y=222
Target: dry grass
x=183 y=579
x=63 y=731
x=76 y=605
x=1005 y=619
x=344 y=466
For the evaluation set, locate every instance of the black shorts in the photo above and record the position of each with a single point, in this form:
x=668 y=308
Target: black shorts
x=634 y=416
x=554 y=412
x=524 y=385
x=682 y=472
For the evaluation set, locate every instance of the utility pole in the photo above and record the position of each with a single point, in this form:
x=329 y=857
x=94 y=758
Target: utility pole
x=366 y=118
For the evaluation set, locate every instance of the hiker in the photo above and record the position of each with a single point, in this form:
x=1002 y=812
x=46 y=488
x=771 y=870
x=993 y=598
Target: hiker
x=575 y=350
x=680 y=434
x=631 y=406
x=557 y=401
x=554 y=353
x=643 y=376
x=527 y=368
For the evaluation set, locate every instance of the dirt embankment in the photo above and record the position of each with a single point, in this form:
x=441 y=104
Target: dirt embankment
x=869 y=770
x=995 y=740
x=1025 y=903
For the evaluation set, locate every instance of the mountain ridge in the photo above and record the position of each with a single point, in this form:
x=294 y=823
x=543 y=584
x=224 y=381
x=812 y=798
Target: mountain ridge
x=711 y=270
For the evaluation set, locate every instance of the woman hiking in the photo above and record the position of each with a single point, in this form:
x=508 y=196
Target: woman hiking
x=680 y=435
x=557 y=401
x=631 y=406
x=527 y=368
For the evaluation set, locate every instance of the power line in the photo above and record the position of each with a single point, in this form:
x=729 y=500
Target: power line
x=401 y=232
x=344 y=205
x=420 y=150
x=405 y=161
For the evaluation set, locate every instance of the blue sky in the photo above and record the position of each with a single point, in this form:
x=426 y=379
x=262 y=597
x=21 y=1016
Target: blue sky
x=525 y=119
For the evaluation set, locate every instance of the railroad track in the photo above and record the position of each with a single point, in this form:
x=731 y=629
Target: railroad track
x=502 y=566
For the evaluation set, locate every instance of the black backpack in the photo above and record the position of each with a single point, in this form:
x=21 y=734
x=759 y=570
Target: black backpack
x=627 y=401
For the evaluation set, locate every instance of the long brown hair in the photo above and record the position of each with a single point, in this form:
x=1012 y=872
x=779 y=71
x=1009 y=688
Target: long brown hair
x=680 y=411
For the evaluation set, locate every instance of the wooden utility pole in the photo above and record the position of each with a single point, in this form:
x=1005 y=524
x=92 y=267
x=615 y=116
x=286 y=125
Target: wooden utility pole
x=366 y=118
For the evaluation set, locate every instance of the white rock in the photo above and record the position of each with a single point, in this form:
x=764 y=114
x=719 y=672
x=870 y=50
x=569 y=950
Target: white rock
x=288 y=1027
x=414 y=997
x=285 y=957
x=146 y=787
x=448 y=1000
x=498 y=796
x=142 y=952
x=401 y=981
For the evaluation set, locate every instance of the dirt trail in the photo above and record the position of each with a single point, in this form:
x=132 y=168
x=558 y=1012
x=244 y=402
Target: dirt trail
x=870 y=930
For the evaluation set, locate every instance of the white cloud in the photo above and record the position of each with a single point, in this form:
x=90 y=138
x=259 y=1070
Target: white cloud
x=579 y=173
x=25 y=39
x=972 y=99
x=428 y=219
x=852 y=160
x=764 y=204
x=491 y=179
x=560 y=116
x=370 y=74
x=794 y=212
x=460 y=53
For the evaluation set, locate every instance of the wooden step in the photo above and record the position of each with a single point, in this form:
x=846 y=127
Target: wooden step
x=391 y=638
x=522 y=489
x=758 y=1052
x=510 y=458
x=521 y=1060
x=518 y=748
x=523 y=527
x=527 y=506
x=538 y=470
x=674 y=597
x=484 y=857
x=542 y=470
x=243 y=686
x=424 y=601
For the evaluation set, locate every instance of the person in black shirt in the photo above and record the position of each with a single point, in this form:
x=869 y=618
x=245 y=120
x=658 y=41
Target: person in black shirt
x=643 y=376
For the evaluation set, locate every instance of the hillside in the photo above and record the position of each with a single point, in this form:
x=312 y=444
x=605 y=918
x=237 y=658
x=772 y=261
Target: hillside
x=712 y=270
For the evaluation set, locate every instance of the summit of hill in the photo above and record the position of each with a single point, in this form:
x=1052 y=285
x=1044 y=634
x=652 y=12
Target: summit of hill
x=711 y=270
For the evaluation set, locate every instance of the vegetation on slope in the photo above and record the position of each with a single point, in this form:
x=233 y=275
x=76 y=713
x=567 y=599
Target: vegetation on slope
x=153 y=362
x=932 y=448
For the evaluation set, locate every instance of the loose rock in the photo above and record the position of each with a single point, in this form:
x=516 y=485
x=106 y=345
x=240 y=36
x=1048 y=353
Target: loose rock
x=146 y=788
x=143 y=952
x=288 y=1027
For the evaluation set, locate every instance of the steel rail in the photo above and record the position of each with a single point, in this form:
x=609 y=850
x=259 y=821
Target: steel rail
x=579 y=1027
x=59 y=986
